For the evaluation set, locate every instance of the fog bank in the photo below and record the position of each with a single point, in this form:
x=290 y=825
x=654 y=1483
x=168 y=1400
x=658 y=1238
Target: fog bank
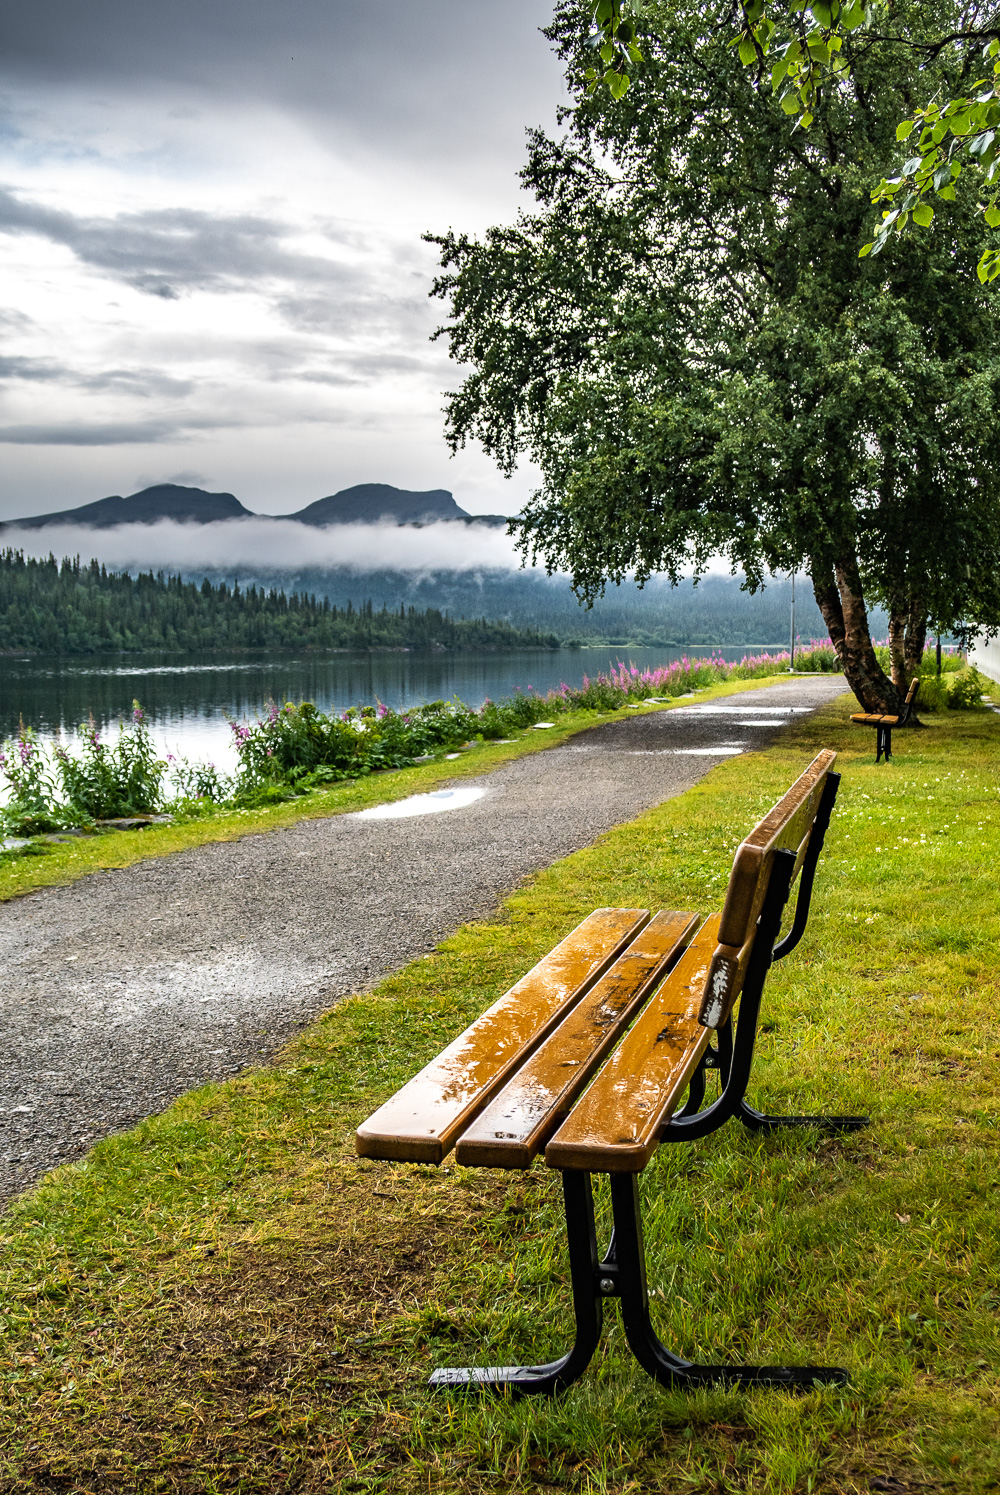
x=248 y=546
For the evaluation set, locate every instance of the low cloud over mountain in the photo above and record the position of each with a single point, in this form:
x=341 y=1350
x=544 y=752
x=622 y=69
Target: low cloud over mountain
x=257 y=544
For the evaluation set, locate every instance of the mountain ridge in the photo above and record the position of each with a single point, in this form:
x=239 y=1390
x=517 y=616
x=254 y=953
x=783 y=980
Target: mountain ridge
x=364 y=503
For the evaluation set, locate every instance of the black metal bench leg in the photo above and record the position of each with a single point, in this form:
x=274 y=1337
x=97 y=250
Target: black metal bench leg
x=756 y=1121
x=669 y=1369
x=584 y=1260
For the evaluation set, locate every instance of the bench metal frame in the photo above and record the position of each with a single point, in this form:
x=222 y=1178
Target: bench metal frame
x=621 y=1272
x=883 y=730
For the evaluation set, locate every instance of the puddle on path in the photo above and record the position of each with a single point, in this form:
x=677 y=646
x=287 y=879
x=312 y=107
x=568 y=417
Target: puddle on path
x=731 y=750
x=423 y=804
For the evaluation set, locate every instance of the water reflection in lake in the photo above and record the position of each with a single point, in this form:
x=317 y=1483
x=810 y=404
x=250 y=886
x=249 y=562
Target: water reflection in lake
x=189 y=697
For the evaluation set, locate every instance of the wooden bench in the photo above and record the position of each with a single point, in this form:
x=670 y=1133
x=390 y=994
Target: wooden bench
x=884 y=724
x=588 y=1059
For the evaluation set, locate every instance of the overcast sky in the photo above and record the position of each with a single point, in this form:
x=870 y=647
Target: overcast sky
x=210 y=260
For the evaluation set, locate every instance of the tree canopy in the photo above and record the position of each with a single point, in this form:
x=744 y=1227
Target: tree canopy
x=682 y=336
x=800 y=48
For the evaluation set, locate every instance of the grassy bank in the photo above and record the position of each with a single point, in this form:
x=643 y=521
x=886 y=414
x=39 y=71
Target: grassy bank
x=226 y=1299
x=53 y=863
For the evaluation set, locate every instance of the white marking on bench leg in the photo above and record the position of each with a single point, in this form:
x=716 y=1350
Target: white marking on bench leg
x=716 y=1007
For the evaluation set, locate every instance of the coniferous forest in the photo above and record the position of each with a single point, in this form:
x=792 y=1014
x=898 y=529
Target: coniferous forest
x=73 y=608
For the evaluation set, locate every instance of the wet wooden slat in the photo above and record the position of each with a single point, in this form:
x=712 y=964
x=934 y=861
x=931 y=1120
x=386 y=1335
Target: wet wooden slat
x=615 y=1126
x=422 y=1121
x=519 y=1121
x=786 y=827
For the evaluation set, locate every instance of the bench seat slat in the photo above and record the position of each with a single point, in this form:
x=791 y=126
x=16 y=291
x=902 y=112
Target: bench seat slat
x=519 y=1121
x=615 y=1127
x=422 y=1121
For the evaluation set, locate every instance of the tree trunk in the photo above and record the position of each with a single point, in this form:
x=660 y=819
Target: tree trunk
x=916 y=638
x=897 y=650
x=839 y=598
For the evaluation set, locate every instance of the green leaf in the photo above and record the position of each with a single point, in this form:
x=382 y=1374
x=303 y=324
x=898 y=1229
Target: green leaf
x=865 y=250
x=923 y=214
x=948 y=193
x=989 y=266
x=905 y=130
x=790 y=102
x=992 y=216
x=748 y=52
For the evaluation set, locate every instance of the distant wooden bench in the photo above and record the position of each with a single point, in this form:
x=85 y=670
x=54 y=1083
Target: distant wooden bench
x=632 y=1000
x=884 y=724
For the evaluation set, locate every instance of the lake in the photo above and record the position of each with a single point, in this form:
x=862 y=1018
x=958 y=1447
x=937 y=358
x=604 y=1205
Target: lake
x=188 y=698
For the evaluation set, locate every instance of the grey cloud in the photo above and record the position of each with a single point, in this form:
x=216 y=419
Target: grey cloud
x=342 y=314
x=29 y=368
x=171 y=249
x=107 y=433
x=457 y=79
x=362 y=368
x=14 y=320
x=142 y=382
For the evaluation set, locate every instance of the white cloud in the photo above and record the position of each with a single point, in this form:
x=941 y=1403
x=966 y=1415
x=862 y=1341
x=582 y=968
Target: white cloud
x=275 y=545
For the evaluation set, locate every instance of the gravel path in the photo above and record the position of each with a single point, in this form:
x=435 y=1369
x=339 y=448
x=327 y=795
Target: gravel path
x=129 y=987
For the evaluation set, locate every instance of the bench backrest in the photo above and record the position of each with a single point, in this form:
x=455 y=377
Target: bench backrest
x=785 y=828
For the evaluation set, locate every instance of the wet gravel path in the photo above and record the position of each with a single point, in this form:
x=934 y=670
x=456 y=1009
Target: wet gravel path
x=123 y=990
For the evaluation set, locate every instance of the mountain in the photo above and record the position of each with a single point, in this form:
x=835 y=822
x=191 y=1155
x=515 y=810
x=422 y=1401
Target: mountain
x=367 y=503
x=164 y=501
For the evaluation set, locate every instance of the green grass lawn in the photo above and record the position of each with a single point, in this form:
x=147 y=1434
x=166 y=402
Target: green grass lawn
x=226 y=1299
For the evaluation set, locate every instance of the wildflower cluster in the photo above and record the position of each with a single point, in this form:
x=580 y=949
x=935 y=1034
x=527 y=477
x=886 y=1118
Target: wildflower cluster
x=102 y=781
